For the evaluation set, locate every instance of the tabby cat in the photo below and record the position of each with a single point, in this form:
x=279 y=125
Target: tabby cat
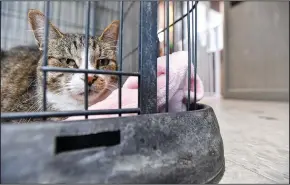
x=21 y=74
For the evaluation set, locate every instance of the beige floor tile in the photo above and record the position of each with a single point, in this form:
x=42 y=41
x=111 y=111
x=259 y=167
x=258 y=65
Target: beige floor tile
x=256 y=139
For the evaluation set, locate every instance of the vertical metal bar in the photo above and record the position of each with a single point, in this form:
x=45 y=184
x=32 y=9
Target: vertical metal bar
x=214 y=72
x=217 y=63
x=167 y=56
x=1 y=24
x=182 y=27
x=87 y=30
x=192 y=34
x=149 y=55
x=189 y=56
x=140 y=53
x=46 y=34
x=164 y=26
x=207 y=26
x=173 y=29
x=121 y=53
x=195 y=53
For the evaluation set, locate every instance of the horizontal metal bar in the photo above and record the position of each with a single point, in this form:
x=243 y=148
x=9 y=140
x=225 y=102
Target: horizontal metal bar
x=193 y=7
x=23 y=115
x=71 y=70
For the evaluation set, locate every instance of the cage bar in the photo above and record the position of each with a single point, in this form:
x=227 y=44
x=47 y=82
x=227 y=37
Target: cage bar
x=72 y=70
x=167 y=55
x=192 y=43
x=195 y=53
x=87 y=32
x=45 y=52
x=179 y=19
x=189 y=56
x=149 y=55
x=164 y=25
x=120 y=61
x=173 y=28
x=0 y=17
x=14 y=116
x=140 y=52
x=182 y=27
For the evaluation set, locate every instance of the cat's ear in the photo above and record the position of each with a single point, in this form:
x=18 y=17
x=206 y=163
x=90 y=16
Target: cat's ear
x=37 y=22
x=111 y=33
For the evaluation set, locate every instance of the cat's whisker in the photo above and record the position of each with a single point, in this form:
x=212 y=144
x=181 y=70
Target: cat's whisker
x=69 y=86
x=35 y=106
x=111 y=88
x=60 y=91
x=111 y=85
x=109 y=47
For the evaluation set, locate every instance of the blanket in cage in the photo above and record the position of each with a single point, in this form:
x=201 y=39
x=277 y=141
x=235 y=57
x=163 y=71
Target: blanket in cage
x=178 y=88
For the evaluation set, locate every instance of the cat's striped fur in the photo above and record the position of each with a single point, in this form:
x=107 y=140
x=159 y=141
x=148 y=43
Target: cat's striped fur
x=21 y=75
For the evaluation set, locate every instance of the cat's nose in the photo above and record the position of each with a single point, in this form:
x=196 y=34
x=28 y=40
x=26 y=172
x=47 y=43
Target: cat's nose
x=91 y=80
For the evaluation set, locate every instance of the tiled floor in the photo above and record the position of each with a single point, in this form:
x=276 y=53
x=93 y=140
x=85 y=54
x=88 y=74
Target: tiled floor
x=256 y=140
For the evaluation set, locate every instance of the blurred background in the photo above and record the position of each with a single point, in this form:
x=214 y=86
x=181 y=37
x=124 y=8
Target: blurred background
x=243 y=61
x=243 y=48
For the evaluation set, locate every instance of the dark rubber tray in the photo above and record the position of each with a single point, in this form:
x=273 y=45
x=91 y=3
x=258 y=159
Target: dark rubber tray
x=183 y=147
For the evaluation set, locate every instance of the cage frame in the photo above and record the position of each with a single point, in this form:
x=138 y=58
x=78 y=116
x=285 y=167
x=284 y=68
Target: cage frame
x=196 y=115
x=147 y=89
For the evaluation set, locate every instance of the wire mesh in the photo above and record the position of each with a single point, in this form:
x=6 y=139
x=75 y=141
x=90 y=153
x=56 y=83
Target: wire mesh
x=148 y=52
x=192 y=47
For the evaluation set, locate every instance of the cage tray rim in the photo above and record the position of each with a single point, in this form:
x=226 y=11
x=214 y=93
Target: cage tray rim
x=172 y=135
x=201 y=107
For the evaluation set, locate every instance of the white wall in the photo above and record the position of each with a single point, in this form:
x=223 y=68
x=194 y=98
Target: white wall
x=257 y=50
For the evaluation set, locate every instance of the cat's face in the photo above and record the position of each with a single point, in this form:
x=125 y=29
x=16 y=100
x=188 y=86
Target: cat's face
x=68 y=51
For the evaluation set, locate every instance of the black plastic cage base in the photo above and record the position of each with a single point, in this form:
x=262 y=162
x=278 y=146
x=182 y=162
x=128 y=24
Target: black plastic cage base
x=183 y=147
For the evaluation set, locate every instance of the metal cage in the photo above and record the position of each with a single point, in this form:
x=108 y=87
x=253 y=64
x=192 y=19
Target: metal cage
x=148 y=47
x=147 y=90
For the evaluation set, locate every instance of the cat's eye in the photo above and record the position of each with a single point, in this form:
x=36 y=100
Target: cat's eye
x=103 y=62
x=70 y=62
